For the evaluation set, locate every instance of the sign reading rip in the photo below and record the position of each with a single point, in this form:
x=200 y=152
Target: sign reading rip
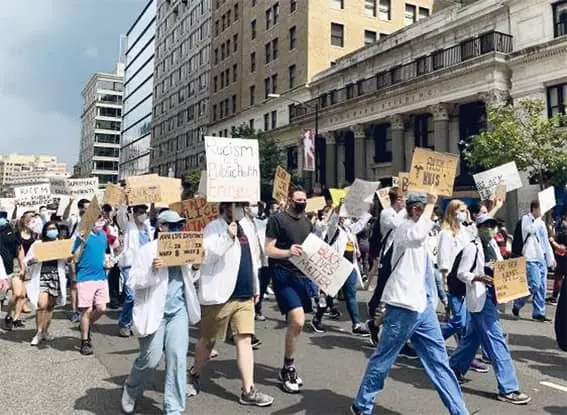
x=433 y=172
x=180 y=248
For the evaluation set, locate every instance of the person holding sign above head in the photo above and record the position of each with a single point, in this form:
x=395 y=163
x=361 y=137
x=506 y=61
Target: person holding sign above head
x=285 y=233
x=228 y=290
x=475 y=271
x=48 y=284
x=410 y=314
x=166 y=304
x=535 y=247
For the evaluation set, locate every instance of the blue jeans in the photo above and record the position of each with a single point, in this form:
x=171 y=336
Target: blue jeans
x=125 y=320
x=349 y=288
x=483 y=329
x=440 y=285
x=456 y=325
x=401 y=325
x=537 y=281
x=172 y=337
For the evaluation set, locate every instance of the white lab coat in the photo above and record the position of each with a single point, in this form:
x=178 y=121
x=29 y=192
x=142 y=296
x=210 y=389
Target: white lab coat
x=450 y=246
x=537 y=246
x=389 y=221
x=219 y=270
x=261 y=225
x=132 y=244
x=32 y=285
x=406 y=287
x=150 y=288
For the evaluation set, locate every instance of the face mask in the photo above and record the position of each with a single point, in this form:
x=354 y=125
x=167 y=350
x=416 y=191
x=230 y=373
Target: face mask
x=347 y=222
x=3 y=222
x=37 y=225
x=52 y=233
x=487 y=234
x=141 y=218
x=237 y=214
x=461 y=217
x=299 y=207
x=174 y=227
x=99 y=225
x=254 y=211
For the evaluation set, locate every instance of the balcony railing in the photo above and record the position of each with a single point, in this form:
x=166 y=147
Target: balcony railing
x=445 y=58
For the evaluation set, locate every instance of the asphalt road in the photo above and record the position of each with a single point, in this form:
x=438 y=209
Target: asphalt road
x=56 y=379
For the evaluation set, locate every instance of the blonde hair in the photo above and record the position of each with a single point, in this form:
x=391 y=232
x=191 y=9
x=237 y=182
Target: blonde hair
x=450 y=220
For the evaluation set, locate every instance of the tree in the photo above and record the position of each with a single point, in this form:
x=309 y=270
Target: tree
x=519 y=132
x=271 y=156
x=191 y=183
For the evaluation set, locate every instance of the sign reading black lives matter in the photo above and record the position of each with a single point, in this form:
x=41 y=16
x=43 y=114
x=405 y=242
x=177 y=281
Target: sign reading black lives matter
x=233 y=169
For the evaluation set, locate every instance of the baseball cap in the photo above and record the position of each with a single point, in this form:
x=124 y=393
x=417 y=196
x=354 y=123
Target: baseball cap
x=170 y=216
x=486 y=220
x=416 y=197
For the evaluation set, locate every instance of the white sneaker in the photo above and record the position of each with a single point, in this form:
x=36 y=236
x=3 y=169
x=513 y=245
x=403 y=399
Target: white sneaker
x=269 y=291
x=47 y=337
x=36 y=339
x=213 y=354
x=127 y=402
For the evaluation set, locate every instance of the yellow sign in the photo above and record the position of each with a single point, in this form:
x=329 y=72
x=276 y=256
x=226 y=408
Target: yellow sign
x=89 y=218
x=180 y=248
x=338 y=196
x=510 y=280
x=384 y=197
x=152 y=188
x=403 y=183
x=500 y=192
x=48 y=251
x=315 y=204
x=282 y=181
x=433 y=172
x=197 y=212
x=114 y=195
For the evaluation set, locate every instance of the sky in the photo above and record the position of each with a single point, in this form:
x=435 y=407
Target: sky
x=48 y=51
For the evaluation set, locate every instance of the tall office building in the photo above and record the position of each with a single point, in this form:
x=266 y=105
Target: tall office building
x=101 y=120
x=135 y=143
x=181 y=86
x=272 y=47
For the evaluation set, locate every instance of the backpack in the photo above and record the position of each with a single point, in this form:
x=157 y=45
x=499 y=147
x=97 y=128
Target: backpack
x=456 y=287
x=518 y=242
x=385 y=269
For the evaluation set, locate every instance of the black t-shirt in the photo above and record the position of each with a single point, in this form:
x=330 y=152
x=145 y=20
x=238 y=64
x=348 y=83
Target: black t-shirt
x=287 y=229
x=244 y=283
x=26 y=243
x=8 y=247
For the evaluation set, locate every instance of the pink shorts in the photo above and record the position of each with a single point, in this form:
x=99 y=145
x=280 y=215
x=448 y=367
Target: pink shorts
x=92 y=293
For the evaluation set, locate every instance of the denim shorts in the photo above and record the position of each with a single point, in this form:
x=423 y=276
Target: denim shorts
x=293 y=290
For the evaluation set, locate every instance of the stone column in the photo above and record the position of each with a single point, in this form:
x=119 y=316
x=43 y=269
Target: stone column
x=441 y=124
x=331 y=158
x=369 y=156
x=359 y=132
x=340 y=158
x=398 y=146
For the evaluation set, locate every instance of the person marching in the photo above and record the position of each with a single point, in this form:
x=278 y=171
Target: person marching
x=476 y=271
x=410 y=314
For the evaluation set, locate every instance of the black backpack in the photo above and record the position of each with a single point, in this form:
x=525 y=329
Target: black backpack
x=456 y=287
x=518 y=242
x=385 y=269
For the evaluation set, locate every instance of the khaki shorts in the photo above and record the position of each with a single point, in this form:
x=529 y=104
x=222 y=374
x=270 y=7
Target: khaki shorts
x=215 y=319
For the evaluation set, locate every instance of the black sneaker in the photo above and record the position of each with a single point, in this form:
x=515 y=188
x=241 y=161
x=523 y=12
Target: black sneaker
x=460 y=377
x=194 y=384
x=359 y=330
x=516 y=312
x=408 y=352
x=288 y=378
x=256 y=342
x=86 y=348
x=355 y=411
x=551 y=300
x=335 y=314
x=19 y=323
x=515 y=398
x=316 y=326
x=374 y=330
x=8 y=323
x=542 y=319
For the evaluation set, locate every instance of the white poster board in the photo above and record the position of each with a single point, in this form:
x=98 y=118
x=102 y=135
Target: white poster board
x=32 y=197
x=487 y=181
x=202 y=190
x=84 y=188
x=359 y=198
x=233 y=169
x=547 y=200
x=325 y=266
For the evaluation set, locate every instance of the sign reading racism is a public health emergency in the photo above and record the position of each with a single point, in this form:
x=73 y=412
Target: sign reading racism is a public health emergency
x=433 y=172
x=233 y=169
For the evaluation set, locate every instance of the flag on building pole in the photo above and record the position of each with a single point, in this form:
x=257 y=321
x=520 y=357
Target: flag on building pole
x=309 y=150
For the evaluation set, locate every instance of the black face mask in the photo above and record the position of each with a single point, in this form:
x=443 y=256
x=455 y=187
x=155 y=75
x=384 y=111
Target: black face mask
x=299 y=207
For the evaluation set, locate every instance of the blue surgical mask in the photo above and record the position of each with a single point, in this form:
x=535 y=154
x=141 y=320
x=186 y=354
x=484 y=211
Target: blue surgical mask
x=174 y=227
x=3 y=222
x=52 y=233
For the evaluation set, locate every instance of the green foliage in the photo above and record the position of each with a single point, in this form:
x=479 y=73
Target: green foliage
x=520 y=132
x=271 y=155
x=191 y=183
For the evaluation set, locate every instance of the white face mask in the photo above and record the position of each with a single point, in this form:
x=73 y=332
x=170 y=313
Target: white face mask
x=237 y=214
x=254 y=211
x=36 y=225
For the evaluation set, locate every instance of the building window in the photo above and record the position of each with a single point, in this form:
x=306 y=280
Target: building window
x=292 y=5
x=338 y=4
x=438 y=59
x=396 y=74
x=337 y=34
x=292 y=157
x=216 y=56
x=251 y=124
x=291 y=76
x=469 y=49
x=369 y=37
x=234 y=104
x=234 y=72
x=235 y=42
x=266 y=121
x=292 y=37
x=385 y=10
x=253 y=29
x=276 y=12
x=236 y=12
x=253 y=62
x=215 y=112
x=383 y=143
x=252 y=94
x=275 y=44
x=410 y=15
x=268 y=52
x=423 y=133
x=268 y=18
x=370 y=8
x=423 y=13
x=560 y=18
x=556 y=96
x=266 y=87
x=274 y=83
x=274 y=119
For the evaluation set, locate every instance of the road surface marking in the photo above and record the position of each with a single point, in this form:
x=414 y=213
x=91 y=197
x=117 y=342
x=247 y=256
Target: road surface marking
x=553 y=385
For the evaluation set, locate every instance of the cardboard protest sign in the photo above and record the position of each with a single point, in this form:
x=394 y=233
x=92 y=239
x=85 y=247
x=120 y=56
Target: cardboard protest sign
x=84 y=188
x=180 y=248
x=140 y=180
x=315 y=204
x=233 y=169
x=7 y=204
x=202 y=190
x=282 y=181
x=337 y=196
x=89 y=218
x=170 y=190
x=395 y=181
x=48 y=251
x=487 y=181
x=433 y=172
x=547 y=199
x=141 y=195
x=359 y=198
x=325 y=266
x=403 y=183
x=500 y=192
x=197 y=212
x=114 y=195
x=384 y=197
x=32 y=197
x=510 y=281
